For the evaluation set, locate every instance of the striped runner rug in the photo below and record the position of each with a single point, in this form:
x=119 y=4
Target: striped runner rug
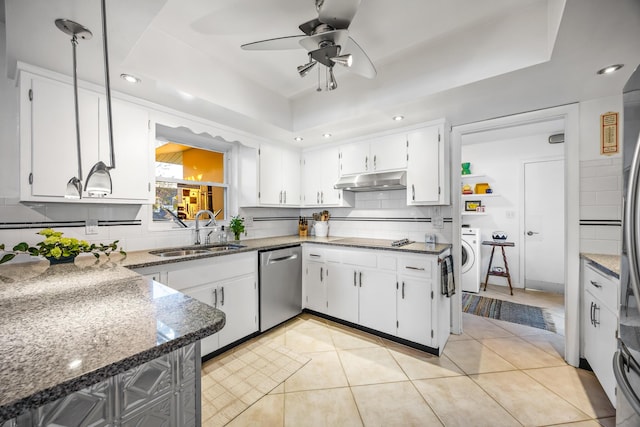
x=523 y=314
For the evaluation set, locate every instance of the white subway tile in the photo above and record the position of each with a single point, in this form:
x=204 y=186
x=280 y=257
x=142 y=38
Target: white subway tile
x=587 y=198
x=609 y=197
x=609 y=233
x=600 y=212
x=607 y=183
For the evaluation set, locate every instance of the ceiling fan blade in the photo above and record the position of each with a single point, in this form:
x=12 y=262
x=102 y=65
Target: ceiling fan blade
x=362 y=65
x=309 y=26
x=338 y=37
x=337 y=13
x=279 y=43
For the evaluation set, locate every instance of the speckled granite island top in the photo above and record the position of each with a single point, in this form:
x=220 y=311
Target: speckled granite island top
x=608 y=264
x=141 y=259
x=66 y=327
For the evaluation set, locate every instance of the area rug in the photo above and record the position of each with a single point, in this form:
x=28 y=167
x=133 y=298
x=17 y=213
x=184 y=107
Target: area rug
x=523 y=314
x=240 y=377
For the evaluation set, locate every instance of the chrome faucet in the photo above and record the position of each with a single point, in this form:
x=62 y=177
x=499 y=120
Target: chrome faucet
x=212 y=219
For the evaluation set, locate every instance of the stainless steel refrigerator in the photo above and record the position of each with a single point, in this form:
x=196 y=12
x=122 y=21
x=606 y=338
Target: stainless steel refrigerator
x=626 y=362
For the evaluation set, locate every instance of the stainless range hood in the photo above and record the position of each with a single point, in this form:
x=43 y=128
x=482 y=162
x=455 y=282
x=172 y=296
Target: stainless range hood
x=373 y=181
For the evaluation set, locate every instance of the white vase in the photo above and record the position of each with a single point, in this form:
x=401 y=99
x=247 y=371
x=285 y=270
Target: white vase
x=322 y=228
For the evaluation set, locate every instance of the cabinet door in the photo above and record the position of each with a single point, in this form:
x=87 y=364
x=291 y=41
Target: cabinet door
x=389 y=153
x=270 y=175
x=131 y=178
x=314 y=287
x=290 y=171
x=311 y=178
x=330 y=168
x=342 y=292
x=54 y=156
x=600 y=326
x=377 y=294
x=423 y=166
x=355 y=159
x=414 y=309
x=237 y=298
x=206 y=294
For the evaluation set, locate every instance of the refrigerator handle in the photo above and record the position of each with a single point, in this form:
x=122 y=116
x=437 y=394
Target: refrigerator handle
x=623 y=364
x=631 y=224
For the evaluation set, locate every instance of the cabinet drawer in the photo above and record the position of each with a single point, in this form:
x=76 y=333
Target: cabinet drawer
x=313 y=253
x=415 y=266
x=360 y=259
x=601 y=286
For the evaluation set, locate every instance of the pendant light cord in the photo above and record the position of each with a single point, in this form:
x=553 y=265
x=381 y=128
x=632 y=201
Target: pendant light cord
x=74 y=43
x=107 y=84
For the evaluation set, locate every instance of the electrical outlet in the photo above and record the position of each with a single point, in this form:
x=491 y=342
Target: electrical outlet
x=91 y=226
x=248 y=221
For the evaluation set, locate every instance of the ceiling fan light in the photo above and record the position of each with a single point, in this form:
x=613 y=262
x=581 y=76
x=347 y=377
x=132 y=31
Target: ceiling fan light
x=74 y=189
x=344 y=60
x=303 y=70
x=99 y=181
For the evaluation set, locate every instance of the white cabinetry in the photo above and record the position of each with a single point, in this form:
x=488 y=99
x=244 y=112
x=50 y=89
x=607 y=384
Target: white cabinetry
x=279 y=176
x=381 y=154
x=321 y=170
x=227 y=282
x=600 y=322
x=396 y=294
x=48 y=153
x=428 y=175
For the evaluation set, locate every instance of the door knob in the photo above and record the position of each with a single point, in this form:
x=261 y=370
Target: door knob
x=531 y=233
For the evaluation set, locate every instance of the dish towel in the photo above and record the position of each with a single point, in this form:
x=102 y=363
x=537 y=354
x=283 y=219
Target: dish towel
x=448 y=286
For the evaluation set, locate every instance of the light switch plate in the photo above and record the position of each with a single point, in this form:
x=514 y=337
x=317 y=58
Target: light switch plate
x=91 y=226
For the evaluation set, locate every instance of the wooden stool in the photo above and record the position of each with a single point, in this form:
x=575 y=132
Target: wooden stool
x=506 y=274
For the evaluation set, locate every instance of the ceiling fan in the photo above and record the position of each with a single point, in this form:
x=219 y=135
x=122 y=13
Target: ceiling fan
x=326 y=39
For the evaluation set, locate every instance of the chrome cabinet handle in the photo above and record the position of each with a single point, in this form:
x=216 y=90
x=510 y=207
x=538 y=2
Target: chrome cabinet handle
x=285 y=196
x=355 y=274
x=322 y=197
x=318 y=197
x=408 y=267
x=596 y=284
x=314 y=255
x=413 y=192
x=595 y=319
x=280 y=197
x=375 y=167
x=631 y=224
x=402 y=290
x=361 y=279
x=591 y=313
x=531 y=233
x=222 y=292
x=215 y=297
x=321 y=271
x=366 y=163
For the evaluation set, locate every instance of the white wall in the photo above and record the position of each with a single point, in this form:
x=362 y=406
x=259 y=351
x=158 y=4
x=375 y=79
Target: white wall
x=501 y=161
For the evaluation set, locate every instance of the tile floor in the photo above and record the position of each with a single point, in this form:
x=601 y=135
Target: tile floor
x=495 y=374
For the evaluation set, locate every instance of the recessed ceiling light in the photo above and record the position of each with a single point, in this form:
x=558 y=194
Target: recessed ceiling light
x=326 y=135
x=298 y=138
x=398 y=118
x=129 y=78
x=610 y=69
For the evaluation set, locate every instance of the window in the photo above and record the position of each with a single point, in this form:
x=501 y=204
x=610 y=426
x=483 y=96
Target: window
x=189 y=179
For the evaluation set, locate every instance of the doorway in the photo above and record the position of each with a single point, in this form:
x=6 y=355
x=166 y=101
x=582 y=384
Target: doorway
x=543 y=225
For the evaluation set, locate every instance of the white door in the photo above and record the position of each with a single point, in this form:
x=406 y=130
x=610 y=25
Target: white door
x=389 y=153
x=355 y=159
x=414 y=316
x=237 y=299
x=314 y=288
x=290 y=172
x=342 y=292
x=544 y=225
x=423 y=167
x=270 y=175
x=330 y=165
x=377 y=293
x=311 y=176
x=206 y=294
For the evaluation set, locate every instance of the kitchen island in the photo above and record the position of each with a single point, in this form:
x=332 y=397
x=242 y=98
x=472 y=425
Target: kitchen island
x=97 y=341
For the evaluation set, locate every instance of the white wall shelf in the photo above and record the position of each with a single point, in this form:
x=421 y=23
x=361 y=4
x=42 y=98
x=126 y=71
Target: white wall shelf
x=473 y=213
x=475 y=196
x=473 y=175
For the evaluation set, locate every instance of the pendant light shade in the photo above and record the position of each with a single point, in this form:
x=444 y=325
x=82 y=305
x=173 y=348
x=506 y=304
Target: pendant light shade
x=303 y=70
x=344 y=60
x=99 y=180
x=74 y=189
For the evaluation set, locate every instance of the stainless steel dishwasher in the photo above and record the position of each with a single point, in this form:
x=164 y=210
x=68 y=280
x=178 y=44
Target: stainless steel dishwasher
x=280 y=286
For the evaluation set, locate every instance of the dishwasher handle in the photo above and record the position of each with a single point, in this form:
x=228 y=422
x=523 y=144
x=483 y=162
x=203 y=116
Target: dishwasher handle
x=284 y=258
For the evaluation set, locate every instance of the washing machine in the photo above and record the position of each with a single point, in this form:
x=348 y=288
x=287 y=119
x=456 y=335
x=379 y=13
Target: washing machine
x=471 y=260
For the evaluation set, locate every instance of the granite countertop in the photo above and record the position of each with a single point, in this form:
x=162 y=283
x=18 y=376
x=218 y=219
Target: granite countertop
x=139 y=259
x=66 y=327
x=608 y=264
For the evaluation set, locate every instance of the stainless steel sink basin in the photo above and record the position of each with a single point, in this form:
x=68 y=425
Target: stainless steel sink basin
x=179 y=252
x=221 y=248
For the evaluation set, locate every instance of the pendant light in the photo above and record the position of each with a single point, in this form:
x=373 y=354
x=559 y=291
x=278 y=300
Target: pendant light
x=99 y=179
x=75 y=30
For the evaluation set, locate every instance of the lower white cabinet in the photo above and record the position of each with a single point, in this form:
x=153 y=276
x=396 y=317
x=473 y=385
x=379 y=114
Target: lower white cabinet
x=600 y=324
x=227 y=282
x=396 y=294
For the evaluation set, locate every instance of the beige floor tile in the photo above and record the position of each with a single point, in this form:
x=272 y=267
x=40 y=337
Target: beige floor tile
x=332 y=407
x=527 y=400
x=393 y=404
x=522 y=354
x=458 y=401
x=345 y=338
x=268 y=411
x=370 y=366
x=417 y=364
x=579 y=387
x=473 y=358
x=278 y=389
x=460 y=337
x=552 y=344
x=588 y=423
x=324 y=370
x=309 y=340
x=481 y=327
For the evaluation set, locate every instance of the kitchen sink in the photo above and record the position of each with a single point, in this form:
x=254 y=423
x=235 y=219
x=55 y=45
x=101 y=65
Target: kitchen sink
x=165 y=253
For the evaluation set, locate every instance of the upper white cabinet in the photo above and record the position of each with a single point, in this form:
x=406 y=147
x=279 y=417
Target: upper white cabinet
x=279 y=176
x=48 y=153
x=428 y=177
x=381 y=154
x=320 y=172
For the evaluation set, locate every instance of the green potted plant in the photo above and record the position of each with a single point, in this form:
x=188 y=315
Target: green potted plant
x=58 y=249
x=237 y=226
